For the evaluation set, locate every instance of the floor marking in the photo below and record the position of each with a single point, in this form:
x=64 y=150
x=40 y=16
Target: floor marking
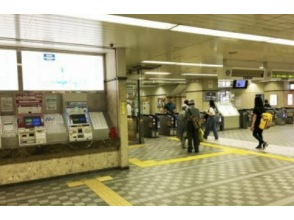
x=150 y=163
x=104 y=192
x=136 y=146
x=80 y=183
x=252 y=152
x=173 y=138
x=75 y=184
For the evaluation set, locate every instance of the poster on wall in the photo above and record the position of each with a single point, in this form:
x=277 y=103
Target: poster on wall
x=160 y=104
x=273 y=99
x=6 y=104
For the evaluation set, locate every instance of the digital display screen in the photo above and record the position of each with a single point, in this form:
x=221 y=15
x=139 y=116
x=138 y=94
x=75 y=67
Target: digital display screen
x=78 y=119
x=31 y=122
x=240 y=84
x=48 y=71
x=8 y=70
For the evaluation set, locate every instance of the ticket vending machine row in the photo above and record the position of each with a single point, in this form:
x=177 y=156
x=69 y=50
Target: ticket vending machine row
x=78 y=121
x=151 y=125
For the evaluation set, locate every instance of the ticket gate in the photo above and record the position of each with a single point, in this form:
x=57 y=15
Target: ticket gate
x=289 y=115
x=168 y=124
x=245 y=118
x=281 y=116
x=151 y=125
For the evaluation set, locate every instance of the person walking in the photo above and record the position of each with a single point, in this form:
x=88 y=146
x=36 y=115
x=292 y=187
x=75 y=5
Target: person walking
x=192 y=132
x=210 y=124
x=256 y=117
x=182 y=126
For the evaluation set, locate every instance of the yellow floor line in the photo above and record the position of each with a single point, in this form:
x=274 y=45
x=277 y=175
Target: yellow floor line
x=136 y=146
x=75 y=184
x=80 y=183
x=105 y=193
x=150 y=163
x=252 y=152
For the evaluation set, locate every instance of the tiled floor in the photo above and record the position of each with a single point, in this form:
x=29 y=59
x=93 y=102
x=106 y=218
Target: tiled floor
x=227 y=172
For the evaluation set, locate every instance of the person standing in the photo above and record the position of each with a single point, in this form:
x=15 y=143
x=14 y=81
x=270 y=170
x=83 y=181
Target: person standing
x=266 y=104
x=129 y=108
x=182 y=126
x=256 y=117
x=192 y=132
x=169 y=107
x=210 y=124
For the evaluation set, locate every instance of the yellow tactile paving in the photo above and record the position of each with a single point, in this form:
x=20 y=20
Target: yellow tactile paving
x=105 y=193
x=150 y=163
x=79 y=183
x=104 y=178
x=75 y=184
x=136 y=146
x=224 y=150
x=261 y=154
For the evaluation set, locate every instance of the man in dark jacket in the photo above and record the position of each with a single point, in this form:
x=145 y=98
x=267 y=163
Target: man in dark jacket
x=192 y=131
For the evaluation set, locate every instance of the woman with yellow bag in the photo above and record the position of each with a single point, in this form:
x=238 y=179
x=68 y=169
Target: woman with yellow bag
x=256 y=117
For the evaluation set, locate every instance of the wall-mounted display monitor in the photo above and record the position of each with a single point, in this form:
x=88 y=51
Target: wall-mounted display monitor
x=8 y=70
x=32 y=121
x=48 y=71
x=240 y=84
x=78 y=119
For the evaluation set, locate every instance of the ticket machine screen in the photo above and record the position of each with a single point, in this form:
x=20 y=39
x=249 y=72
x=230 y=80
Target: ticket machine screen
x=78 y=119
x=32 y=121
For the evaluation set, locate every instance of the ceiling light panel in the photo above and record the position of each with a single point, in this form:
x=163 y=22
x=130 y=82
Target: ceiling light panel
x=123 y=20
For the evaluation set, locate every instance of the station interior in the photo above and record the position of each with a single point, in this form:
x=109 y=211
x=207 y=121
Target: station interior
x=82 y=119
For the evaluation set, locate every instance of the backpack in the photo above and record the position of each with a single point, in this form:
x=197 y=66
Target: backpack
x=266 y=120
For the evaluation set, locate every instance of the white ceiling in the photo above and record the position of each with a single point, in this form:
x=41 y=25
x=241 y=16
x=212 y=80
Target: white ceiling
x=152 y=44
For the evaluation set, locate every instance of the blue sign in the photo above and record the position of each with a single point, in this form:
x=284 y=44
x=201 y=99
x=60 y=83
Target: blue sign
x=49 y=56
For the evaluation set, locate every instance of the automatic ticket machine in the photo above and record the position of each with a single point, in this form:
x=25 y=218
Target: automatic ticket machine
x=168 y=124
x=30 y=121
x=151 y=125
x=78 y=121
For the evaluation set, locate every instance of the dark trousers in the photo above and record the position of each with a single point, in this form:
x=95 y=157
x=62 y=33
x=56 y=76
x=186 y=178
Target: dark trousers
x=210 y=126
x=192 y=135
x=257 y=133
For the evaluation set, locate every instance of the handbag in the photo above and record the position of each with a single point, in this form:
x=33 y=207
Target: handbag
x=194 y=119
x=201 y=134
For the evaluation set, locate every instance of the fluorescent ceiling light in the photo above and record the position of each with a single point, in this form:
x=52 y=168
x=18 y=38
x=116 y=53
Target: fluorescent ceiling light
x=180 y=28
x=199 y=74
x=123 y=20
x=156 y=73
x=167 y=79
x=281 y=41
x=159 y=62
x=199 y=64
x=216 y=33
x=181 y=64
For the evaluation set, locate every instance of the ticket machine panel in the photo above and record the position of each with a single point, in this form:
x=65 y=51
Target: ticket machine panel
x=30 y=122
x=78 y=122
x=9 y=132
